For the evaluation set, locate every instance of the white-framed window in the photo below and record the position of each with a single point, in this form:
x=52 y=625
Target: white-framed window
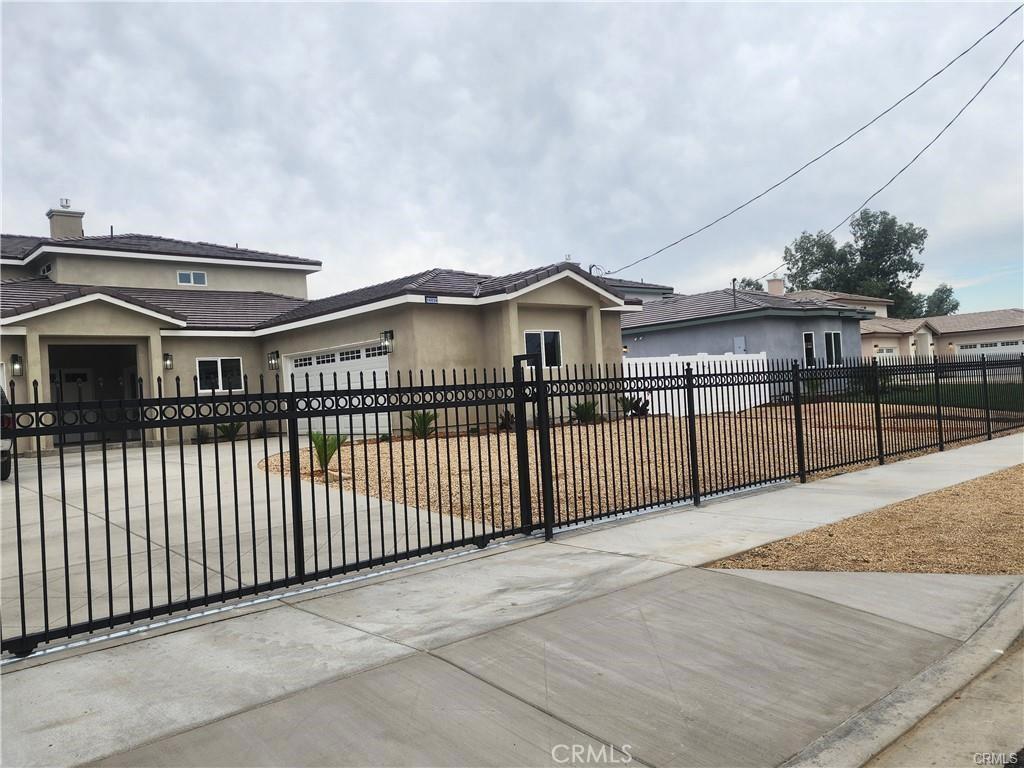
x=191 y=278
x=326 y=358
x=988 y=344
x=547 y=344
x=967 y=346
x=302 y=362
x=887 y=350
x=381 y=350
x=350 y=354
x=808 y=338
x=1008 y=343
x=833 y=348
x=46 y=269
x=219 y=374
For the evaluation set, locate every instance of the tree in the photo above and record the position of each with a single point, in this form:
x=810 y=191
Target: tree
x=941 y=301
x=878 y=261
x=749 y=284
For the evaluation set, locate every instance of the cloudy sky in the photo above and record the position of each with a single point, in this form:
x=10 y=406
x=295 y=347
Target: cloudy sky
x=386 y=139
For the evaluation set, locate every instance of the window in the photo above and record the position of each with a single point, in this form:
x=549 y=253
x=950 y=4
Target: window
x=46 y=269
x=986 y=344
x=547 y=344
x=1008 y=343
x=833 y=347
x=887 y=350
x=302 y=362
x=325 y=359
x=809 y=349
x=191 y=278
x=349 y=354
x=219 y=373
x=968 y=346
x=378 y=351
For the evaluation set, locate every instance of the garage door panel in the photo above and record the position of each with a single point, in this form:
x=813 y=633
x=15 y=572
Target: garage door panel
x=339 y=369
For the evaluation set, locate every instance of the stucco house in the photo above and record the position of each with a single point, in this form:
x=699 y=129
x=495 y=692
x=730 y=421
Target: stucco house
x=997 y=332
x=879 y=306
x=638 y=289
x=744 y=322
x=98 y=312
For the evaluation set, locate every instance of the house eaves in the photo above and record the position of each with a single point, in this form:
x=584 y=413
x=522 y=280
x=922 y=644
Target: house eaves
x=746 y=314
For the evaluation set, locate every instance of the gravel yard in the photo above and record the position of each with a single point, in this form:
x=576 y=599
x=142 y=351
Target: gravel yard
x=973 y=527
x=613 y=465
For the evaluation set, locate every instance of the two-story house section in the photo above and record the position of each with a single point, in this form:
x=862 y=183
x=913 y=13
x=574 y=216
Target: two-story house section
x=91 y=316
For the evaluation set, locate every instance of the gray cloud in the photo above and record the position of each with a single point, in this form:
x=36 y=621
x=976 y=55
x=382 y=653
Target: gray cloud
x=382 y=139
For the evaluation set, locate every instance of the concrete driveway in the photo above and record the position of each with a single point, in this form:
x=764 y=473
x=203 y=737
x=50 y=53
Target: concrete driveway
x=606 y=644
x=149 y=524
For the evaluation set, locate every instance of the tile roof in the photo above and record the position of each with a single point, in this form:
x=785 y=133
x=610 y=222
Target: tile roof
x=618 y=282
x=969 y=321
x=17 y=247
x=209 y=309
x=438 y=282
x=246 y=310
x=816 y=293
x=680 y=308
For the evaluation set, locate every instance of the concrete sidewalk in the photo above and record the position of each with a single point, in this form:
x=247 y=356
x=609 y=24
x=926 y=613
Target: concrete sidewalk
x=605 y=638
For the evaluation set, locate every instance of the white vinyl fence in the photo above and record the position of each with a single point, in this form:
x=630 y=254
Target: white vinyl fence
x=711 y=400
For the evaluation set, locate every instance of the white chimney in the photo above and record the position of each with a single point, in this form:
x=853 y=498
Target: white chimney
x=776 y=286
x=64 y=222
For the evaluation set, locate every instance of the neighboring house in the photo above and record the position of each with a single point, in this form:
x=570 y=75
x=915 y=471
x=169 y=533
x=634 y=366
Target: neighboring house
x=997 y=332
x=744 y=322
x=90 y=311
x=879 y=306
x=638 y=289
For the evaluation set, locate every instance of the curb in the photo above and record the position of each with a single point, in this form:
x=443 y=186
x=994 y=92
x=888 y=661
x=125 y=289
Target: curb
x=864 y=735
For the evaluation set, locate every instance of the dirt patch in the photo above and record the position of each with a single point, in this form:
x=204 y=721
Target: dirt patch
x=973 y=527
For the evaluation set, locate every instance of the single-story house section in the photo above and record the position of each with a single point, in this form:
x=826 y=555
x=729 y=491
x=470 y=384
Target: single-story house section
x=744 y=322
x=879 y=306
x=997 y=332
x=638 y=289
x=97 y=313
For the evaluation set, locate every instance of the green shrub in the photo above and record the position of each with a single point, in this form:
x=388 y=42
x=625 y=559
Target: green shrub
x=257 y=429
x=634 y=406
x=325 y=446
x=422 y=423
x=384 y=437
x=230 y=430
x=585 y=411
x=507 y=421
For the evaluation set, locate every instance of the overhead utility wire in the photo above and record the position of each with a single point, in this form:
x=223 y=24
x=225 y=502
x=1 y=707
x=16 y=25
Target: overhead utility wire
x=827 y=152
x=924 y=149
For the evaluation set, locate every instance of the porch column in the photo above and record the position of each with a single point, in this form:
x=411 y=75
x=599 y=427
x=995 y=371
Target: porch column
x=594 y=344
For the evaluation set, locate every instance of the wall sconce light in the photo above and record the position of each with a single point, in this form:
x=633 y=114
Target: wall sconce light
x=274 y=360
x=168 y=361
x=876 y=346
x=913 y=342
x=17 y=366
x=625 y=349
x=387 y=340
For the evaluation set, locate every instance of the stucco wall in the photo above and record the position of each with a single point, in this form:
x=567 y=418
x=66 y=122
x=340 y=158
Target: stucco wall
x=777 y=337
x=95 y=270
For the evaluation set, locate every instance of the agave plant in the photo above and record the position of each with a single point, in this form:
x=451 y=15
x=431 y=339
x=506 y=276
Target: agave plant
x=634 y=406
x=324 y=448
x=230 y=430
x=585 y=411
x=422 y=423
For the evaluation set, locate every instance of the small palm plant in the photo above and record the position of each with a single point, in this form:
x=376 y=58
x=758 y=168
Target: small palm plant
x=230 y=431
x=324 y=448
x=634 y=406
x=585 y=411
x=422 y=423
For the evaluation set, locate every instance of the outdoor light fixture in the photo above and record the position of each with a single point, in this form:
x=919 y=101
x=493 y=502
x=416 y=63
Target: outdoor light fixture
x=168 y=361
x=625 y=349
x=17 y=365
x=274 y=360
x=387 y=340
x=876 y=346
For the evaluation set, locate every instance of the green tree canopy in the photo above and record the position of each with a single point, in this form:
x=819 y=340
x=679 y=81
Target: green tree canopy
x=941 y=301
x=880 y=260
x=749 y=284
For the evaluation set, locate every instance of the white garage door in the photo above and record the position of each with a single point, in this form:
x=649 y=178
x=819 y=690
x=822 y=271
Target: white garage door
x=337 y=368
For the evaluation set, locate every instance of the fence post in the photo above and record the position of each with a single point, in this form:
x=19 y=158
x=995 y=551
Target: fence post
x=984 y=390
x=876 y=379
x=543 y=427
x=938 y=405
x=691 y=431
x=801 y=459
x=522 y=446
x=295 y=476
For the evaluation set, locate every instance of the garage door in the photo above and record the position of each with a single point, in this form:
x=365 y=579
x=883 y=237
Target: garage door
x=338 y=367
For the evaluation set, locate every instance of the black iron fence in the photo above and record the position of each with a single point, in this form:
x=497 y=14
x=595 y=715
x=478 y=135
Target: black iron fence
x=121 y=511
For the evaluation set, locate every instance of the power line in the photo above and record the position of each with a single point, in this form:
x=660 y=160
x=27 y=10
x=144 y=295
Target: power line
x=827 y=152
x=924 y=149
